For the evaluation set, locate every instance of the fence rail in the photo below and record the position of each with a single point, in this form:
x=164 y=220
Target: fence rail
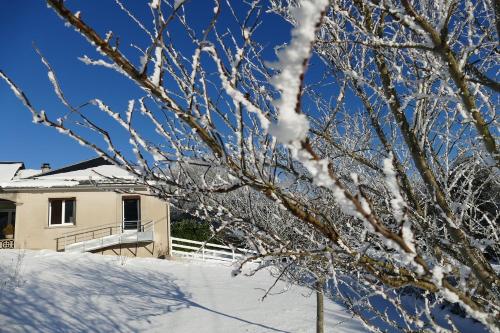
x=201 y=250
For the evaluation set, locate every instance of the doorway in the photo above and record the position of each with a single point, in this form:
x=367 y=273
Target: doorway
x=132 y=213
x=7 y=215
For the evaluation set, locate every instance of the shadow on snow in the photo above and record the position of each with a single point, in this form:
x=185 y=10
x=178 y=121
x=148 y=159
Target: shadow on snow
x=107 y=297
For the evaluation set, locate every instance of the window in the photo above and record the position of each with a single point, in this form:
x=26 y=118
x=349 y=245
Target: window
x=131 y=213
x=62 y=211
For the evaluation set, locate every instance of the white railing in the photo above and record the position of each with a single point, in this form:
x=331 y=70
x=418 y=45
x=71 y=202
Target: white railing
x=201 y=250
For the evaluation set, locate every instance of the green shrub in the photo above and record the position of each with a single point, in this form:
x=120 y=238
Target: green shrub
x=191 y=229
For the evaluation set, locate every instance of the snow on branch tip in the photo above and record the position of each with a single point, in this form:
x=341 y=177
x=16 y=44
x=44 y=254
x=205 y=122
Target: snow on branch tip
x=292 y=60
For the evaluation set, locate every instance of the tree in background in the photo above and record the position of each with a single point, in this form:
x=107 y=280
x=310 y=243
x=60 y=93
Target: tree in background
x=191 y=229
x=368 y=170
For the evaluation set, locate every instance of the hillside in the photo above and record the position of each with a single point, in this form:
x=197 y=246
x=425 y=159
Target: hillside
x=45 y=291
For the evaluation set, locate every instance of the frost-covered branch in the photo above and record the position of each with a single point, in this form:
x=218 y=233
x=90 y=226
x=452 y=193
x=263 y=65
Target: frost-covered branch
x=358 y=157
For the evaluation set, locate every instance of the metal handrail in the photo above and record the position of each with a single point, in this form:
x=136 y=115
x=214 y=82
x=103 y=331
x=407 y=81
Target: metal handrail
x=114 y=228
x=146 y=225
x=69 y=233
x=102 y=227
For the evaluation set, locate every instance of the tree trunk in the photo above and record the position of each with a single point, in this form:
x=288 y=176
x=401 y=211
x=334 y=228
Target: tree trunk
x=320 y=322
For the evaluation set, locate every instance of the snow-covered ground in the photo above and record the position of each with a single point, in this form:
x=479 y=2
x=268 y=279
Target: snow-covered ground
x=45 y=291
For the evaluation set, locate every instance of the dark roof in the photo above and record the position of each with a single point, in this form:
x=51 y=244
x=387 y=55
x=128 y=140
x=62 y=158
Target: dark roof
x=95 y=162
x=11 y=162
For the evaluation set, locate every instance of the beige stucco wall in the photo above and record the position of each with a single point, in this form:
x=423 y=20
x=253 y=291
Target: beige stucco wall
x=8 y=196
x=94 y=208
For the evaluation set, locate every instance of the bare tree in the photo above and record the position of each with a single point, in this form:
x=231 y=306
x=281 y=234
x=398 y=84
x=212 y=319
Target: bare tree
x=376 y=169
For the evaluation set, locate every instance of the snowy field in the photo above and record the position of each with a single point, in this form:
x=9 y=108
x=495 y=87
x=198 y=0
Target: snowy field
x=45 y=291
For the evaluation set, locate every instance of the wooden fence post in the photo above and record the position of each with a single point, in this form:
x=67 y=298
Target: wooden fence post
x=320 y=320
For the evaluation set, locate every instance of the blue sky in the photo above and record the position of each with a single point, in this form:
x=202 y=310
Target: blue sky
x=23 y=23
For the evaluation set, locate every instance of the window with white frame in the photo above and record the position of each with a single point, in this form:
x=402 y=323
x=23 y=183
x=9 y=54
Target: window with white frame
x=62 y=211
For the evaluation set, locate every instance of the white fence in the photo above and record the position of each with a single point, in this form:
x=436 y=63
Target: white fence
x=182 y=247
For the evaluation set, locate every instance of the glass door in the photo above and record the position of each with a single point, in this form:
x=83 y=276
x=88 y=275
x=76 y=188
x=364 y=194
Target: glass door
x=4 y=220
x=6 y=217
x=131 y=213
